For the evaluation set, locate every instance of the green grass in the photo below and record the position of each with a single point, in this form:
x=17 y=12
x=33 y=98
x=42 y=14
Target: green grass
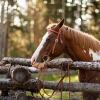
x=56 y=78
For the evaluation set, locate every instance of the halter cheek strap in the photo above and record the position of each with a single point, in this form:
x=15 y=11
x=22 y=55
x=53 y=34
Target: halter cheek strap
x=56 y=40
x=58 y=35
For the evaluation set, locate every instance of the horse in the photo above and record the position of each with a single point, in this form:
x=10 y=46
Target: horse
x=80 y=46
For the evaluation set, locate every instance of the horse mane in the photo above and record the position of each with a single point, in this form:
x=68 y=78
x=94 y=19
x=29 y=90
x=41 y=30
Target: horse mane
x=84 y=40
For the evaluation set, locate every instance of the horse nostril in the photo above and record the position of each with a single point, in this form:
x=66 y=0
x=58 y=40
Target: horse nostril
x=45 y=57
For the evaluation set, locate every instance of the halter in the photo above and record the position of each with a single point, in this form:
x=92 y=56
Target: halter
x=56 y=32
x=56 y=40
x=52 y=50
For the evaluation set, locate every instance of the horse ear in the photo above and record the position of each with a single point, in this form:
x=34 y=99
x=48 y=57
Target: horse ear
x=59 y=25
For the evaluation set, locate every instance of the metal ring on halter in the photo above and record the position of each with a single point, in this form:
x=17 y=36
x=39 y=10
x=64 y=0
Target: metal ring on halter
x=56 y=40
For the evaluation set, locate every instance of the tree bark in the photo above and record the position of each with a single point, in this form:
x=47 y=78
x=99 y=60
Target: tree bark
x=35 y=86
x=20 y=61
x=61 y=63
x=75 y=87
x=64 y=63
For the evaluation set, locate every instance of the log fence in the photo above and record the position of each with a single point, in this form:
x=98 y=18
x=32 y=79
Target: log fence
x=20 y=70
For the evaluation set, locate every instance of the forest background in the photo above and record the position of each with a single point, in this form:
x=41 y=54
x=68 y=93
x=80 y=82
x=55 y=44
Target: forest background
x=23 y=22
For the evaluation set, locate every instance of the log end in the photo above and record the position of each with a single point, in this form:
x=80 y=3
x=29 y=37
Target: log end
x=20 y=74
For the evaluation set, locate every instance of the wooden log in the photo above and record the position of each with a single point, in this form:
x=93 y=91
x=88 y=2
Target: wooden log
x=22 y=97
x=33 y=85
x=4 y=69
x=74 y=87
x=64 y=63
x=18 y=61
x=61 y=63
x=20 y=74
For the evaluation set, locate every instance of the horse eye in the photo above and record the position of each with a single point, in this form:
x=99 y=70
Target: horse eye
x=47 y=39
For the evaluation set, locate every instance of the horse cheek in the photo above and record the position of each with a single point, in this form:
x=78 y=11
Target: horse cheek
x=60 y=49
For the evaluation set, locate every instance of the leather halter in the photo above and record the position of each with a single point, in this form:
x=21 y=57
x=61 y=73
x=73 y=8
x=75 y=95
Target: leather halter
x=56 y=32
x=56 y=40
x=58 y=35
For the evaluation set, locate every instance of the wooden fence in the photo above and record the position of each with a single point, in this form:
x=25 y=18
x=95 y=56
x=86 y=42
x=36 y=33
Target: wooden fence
x=19 y=72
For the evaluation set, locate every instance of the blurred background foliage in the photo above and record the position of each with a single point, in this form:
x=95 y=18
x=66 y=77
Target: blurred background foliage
x=25 y=21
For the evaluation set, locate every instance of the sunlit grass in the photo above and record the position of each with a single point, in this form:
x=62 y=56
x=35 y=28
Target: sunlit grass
x=57 y=76
x=57 y=94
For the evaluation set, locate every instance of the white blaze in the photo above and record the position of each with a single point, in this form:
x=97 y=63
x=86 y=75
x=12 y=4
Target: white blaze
x=95 y=55
x=37 y=51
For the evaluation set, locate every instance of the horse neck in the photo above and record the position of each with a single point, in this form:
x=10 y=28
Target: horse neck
x=74 y=50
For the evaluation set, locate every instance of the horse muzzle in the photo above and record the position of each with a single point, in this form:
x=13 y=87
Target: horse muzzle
x=36 y=59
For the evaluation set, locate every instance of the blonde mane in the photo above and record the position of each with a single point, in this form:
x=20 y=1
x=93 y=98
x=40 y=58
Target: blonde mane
x=84 y=40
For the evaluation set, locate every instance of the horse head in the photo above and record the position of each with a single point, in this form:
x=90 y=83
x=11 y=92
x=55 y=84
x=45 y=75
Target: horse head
x=51 y=45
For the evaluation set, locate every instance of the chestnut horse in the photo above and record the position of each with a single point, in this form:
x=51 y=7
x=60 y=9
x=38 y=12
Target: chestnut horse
x=78 y=45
